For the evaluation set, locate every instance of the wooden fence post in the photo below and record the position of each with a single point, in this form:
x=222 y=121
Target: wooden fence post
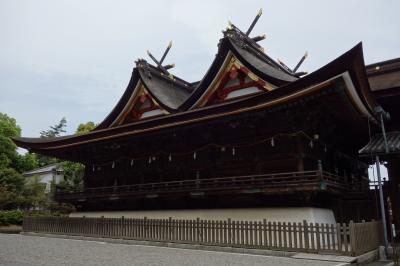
x=317 y=236
x=306 y=236
x=350 y=239
x=102 y=226
x=232 y=230
x=122 y=231
x=197 y=238
x=353 y=242
x=169 y=228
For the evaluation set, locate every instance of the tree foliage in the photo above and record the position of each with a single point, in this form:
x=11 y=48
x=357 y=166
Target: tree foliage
x=85 y=127
x=8 y=150
x=11 y=180
x=34 y=194
x=25 y=162
x=12 y=164
x=56 y=130
x=7 y=198
x=19 y=192
x=11 y=217
x=73 y=176
x=14 y=192
x=74 y=172
x=52 y=132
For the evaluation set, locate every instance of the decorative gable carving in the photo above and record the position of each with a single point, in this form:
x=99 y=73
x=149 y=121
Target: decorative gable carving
x=233 y=82
x=141 y=105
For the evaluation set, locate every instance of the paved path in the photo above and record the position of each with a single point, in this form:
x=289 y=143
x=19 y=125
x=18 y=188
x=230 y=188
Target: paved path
x=21 y=250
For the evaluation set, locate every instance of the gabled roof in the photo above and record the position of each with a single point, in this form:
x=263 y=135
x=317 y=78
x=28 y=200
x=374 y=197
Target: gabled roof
x=348 y=69
x=166 y=92
x=170 y=91
x=174 y=94
x=44 y=169
x=256 y=61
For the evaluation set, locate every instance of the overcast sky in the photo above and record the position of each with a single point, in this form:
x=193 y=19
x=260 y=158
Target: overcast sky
x=73 y=59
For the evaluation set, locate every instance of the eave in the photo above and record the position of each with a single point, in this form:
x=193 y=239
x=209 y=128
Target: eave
x=174 y=94
x=250 y=59
x=349 y=67
x=140 y=76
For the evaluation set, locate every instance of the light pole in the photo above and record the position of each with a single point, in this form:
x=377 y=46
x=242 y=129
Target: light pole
x=382 y=204
x=382 y=114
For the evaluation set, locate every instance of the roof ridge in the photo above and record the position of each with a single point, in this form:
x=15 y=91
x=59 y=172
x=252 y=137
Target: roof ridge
x=42 y=167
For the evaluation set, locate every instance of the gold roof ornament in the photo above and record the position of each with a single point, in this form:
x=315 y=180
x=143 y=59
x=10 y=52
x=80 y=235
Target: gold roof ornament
x=230 y=25
x=164 y=68
x=253 y=40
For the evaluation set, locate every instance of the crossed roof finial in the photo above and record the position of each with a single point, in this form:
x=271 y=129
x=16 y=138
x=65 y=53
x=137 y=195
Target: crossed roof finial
x=254 y=22
x=256 y=39
x=246 y=34
x=294 y=71
x=164 y=68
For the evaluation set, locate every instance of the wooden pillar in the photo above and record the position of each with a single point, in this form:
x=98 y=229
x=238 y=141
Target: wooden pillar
x=299 y=154
x=319 y=167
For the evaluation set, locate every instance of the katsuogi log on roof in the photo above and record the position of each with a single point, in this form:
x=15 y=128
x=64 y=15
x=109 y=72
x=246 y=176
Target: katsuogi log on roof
x=242 y=79
x=344 y=77
x=173 y=94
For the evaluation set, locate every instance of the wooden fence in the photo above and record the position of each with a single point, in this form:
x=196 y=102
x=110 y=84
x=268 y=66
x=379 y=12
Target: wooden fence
x=347 y=239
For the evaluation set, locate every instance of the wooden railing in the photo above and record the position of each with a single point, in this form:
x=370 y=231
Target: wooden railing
x=340 y=182
x=347 y=239
x=314 y=180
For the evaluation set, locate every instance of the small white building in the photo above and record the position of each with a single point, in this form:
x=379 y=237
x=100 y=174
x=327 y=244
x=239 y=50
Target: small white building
x=47 y=174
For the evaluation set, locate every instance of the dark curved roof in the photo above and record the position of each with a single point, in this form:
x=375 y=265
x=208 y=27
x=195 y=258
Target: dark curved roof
x=255 y=60
x=350 y=66
x=176 y=95
x=261 y=63
x=169 y=91
x=119 y=107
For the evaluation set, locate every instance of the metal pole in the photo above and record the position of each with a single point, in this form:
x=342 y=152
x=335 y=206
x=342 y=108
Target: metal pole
x=382 y=203
x=384 y=134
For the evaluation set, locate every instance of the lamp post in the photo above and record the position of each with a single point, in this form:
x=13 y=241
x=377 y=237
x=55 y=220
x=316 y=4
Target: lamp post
x=382 y=204
x=382 y=114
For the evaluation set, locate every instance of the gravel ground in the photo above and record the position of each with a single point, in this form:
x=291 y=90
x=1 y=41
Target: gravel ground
x=18 y=250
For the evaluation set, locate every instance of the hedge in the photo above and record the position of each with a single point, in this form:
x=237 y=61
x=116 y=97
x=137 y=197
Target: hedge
x=11 y=217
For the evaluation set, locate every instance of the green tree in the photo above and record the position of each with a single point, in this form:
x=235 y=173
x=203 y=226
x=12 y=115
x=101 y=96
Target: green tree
x=52 y=132
x=34 y=194
x=85 y=127
x=11 y=180
x=74 y=172
x=56 y=130
x=7 y=198
x=11 y=164
x=8 y=150
x=26 y=162
x=73 y=176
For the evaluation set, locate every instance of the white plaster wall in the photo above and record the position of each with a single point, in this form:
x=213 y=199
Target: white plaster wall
x=47 y=178
x=44 y=178
x=58 y=178
x=292 y=214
